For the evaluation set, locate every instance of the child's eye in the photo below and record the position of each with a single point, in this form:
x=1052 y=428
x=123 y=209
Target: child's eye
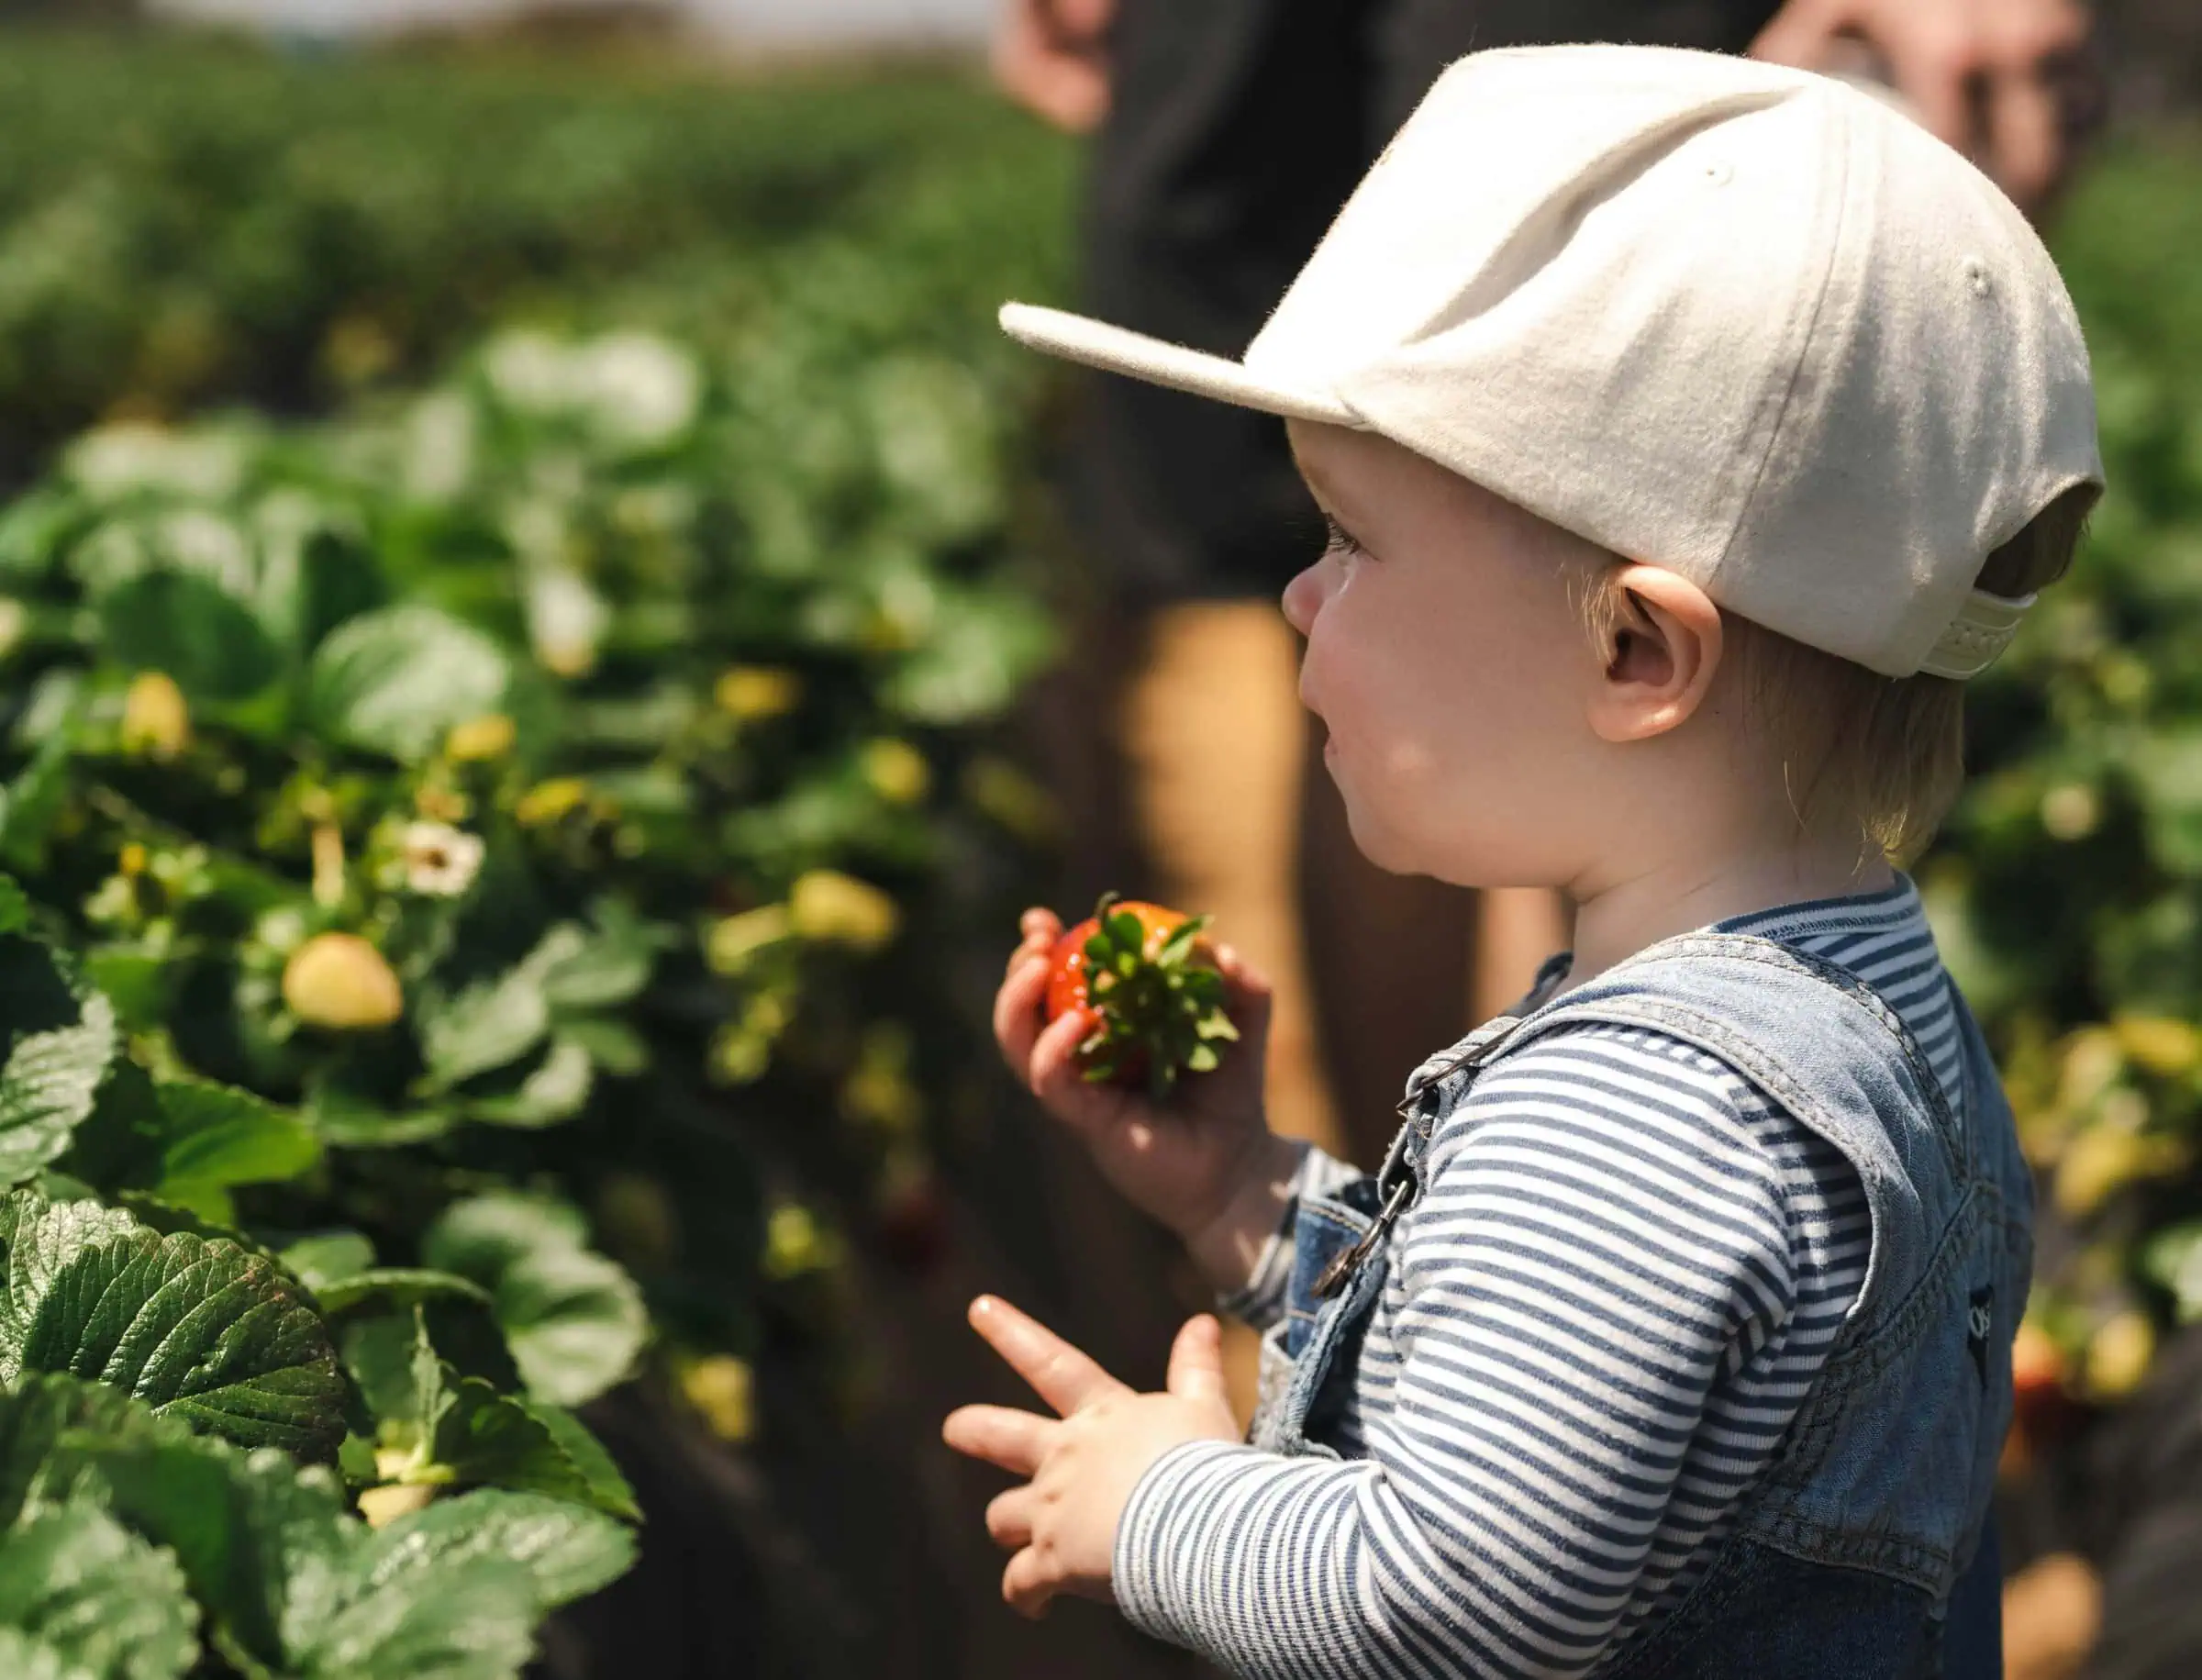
x=1339 y=541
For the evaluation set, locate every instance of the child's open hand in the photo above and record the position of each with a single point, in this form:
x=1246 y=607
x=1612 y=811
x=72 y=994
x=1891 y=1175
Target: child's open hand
x=1061 y=1525
x=1184 y=1162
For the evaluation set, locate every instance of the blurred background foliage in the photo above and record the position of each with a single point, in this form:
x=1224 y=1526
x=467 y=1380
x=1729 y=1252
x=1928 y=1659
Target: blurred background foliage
x=2068 y=889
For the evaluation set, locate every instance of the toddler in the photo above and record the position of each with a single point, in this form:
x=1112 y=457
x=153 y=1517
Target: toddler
x=1689 y=429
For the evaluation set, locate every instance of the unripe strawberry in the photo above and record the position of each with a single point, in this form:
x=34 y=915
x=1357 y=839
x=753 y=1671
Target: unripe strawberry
x=828 y=905
x=490 y=736
x=156 y=720
x=340 y=982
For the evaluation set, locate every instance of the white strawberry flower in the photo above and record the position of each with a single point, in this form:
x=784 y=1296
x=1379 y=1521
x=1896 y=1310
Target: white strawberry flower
x=440 y=862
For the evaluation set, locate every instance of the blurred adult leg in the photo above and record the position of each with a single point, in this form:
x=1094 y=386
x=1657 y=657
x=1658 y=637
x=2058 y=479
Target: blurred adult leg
x=1236 y=128
x=1213 y=732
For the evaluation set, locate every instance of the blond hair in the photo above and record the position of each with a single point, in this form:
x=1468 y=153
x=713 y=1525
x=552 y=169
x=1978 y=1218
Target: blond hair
x=1886 y=753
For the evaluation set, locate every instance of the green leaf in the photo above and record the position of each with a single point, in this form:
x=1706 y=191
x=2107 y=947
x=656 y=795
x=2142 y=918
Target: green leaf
x=139 y=984
x=15 y=908
x=398 y=681
x=60 y=1042
x=378 y=1352
x=38 y=1422
x=187 y=1141
x=2173 y=1259
x=266 y=1545
x=556 y=1089
x=356 y=1463
x=218 y=1136
x=199 y=1330
x=1126 y=933
x=35 y=797
x=484 y=1027
x=397 y=1289
x=351 y=1121
x=589 y=971
x=608 y=1489
x=186 y=624
x=487 y=1439
x=383 y=1353
x=575 y=1320
x=568 y=1550
x=611 y=1044
x=1179 y=945
x=327 y=1257
x=470 y=1619
x=36 y=529
x=165 y=1219
x=40 y=1238
x=79 y=1581
x=982 y=648
x=313 y=579
x=24 y=1658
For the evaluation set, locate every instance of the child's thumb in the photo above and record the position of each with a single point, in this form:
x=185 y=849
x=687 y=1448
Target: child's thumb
x=1197 y=1363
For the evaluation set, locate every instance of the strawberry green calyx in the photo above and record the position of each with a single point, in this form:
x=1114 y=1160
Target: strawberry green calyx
x=1159 y=999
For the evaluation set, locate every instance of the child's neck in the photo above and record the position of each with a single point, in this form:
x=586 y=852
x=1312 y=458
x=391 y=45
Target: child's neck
x=1645 y=900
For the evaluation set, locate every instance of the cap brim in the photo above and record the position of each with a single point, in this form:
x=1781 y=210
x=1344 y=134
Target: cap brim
x=1096 y=344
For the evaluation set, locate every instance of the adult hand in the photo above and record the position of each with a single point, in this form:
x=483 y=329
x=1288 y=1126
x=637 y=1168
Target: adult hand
x=1060 y=1525
x=2009 y=82
x=1051 y=56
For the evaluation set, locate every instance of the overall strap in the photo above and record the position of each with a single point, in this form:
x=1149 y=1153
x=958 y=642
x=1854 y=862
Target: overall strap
x=1814 y=1038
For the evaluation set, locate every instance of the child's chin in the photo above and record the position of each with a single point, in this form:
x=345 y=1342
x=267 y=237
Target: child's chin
x=1381 y=845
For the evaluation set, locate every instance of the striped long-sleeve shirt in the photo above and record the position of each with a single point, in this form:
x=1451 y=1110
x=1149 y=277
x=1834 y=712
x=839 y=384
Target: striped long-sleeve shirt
x=1622 y=1275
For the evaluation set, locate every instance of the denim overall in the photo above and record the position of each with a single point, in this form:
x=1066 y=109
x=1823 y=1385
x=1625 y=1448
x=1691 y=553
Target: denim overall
x=1855 y=1555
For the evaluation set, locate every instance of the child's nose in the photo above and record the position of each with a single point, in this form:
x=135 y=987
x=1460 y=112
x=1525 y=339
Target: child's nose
x=1303 y=597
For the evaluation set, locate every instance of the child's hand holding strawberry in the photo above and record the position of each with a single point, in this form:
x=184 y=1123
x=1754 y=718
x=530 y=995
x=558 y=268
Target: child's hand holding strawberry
x=1060 y=1525
x=1200 y=1158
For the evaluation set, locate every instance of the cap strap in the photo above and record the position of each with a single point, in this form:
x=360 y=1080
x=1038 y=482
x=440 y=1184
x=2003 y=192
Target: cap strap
x=1983 y=628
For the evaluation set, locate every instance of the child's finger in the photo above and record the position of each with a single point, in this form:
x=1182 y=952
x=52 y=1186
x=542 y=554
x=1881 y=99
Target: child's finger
x=1247 y=992
x=1013 y=1441
x=1036 y=934
x=1016 y=1013
x=1053 y=1073
x=1060 y=1375
x=1240 y=975
x=1009 y=1517
x=1028 y=1585
x=1196 y=1364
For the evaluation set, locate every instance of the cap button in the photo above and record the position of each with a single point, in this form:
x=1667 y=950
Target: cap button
x=1976 y=276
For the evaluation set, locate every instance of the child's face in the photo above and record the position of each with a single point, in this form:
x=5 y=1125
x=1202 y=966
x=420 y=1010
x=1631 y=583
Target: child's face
x=1450 y=666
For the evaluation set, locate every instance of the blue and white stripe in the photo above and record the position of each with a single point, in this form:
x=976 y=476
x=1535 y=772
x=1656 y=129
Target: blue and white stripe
x=1622 y=1277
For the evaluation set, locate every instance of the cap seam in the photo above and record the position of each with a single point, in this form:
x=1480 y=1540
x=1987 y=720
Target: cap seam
x=1797 y=366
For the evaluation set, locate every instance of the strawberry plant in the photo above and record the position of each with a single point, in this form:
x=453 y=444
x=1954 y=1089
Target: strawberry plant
x=507 y=776
x=223 y=1457
x=556 y=785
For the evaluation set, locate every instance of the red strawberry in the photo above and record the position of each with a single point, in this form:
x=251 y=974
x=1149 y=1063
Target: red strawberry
x=1150 y=977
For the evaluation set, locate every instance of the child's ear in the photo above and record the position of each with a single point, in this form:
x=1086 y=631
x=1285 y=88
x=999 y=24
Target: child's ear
x=1661 y=660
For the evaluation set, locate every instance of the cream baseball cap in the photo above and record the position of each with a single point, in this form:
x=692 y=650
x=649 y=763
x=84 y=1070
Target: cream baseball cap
x=1743 y=322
